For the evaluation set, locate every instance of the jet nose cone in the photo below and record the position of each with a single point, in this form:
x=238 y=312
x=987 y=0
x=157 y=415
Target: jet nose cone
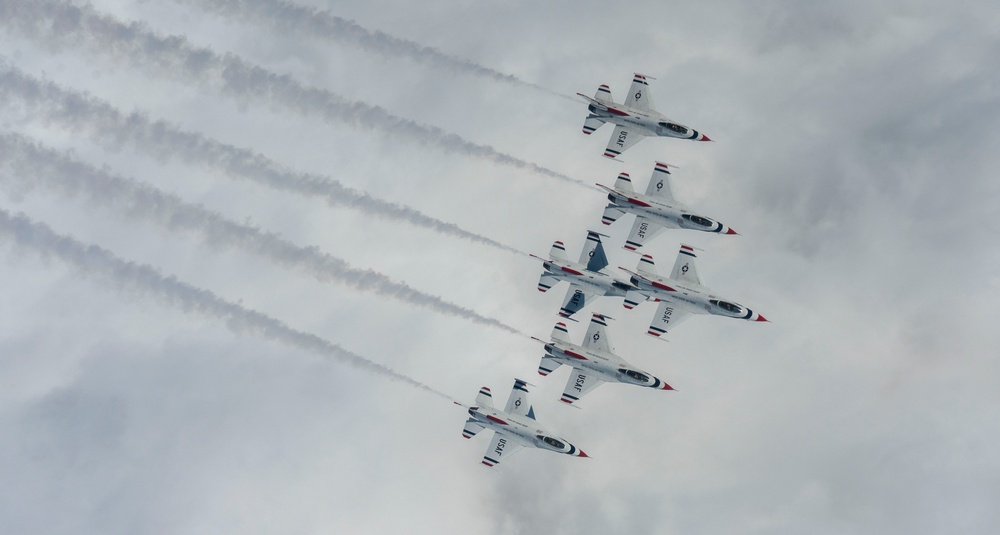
x=731 y=231
x=582 y=454
x=761 y=318
x=666 y=387
x=703 y=137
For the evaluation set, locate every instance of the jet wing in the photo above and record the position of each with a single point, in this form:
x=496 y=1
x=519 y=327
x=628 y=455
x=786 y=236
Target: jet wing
x=593 y=252
x=621 y=139
x=659 y=183
x=666 y=318
x=639 y=95
x=518 y=402
x=501 y=447
x=684 y=267
x=578 y=385
x=596 y=337
x=576 y=299
x=643 y=230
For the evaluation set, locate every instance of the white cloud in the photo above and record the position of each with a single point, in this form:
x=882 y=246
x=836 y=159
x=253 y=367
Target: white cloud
x=854 y=155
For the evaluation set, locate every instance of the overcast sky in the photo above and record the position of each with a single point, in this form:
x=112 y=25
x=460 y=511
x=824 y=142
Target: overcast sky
x=311 y=218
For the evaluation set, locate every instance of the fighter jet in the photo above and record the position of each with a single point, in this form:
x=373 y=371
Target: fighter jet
x=515 y=427
x=586 y=280
x=680 y=295
x=593 y=363
x=655 y=211
x=634 y=120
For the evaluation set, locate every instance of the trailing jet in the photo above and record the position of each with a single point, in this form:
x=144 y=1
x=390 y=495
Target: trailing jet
x=680 y=295
x=655 y=211
x=586 y=280
x=634 y=119
x=515 y=426
x=593 y=363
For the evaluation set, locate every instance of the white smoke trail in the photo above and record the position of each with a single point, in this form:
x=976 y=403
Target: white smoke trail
x=294 y=19
x=61 y=24
x=108 y=126
x=143 y=278
x=25 y=165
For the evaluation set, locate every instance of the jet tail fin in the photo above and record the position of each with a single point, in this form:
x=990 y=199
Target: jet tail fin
x=591 y=124
x=603 y=94
x=484 y=398
x=471 y=428
x=560 y=333
x=633 y=298
x=624 y=183
x=646 y=266
x=558 y=252
x=548 y=365
x=611 y=214
x=593 y=252
x=546 y=281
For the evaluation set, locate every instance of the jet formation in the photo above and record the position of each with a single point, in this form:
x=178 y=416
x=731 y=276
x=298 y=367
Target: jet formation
x=594 y=361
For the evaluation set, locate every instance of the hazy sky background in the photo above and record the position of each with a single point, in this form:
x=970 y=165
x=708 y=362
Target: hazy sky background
x=856 y=154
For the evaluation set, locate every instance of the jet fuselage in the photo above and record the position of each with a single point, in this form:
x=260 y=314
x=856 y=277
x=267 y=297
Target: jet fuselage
x=645 y=122
x=520 y=429
x=667 y=214
x=692 y=297
x=599 y=363
x=599 y=282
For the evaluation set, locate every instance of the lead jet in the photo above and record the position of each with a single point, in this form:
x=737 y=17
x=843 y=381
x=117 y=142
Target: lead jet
x=593 y=363
x=655 y=211
x=514 y=427
x=635 y=119
x=586 y=280
x=680 y=295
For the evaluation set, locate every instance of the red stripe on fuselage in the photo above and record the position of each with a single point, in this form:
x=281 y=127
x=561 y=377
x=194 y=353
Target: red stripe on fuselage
x=662 y=286
x=640 y=203
x=574 y=355
x=497 y=420
x=570 y=270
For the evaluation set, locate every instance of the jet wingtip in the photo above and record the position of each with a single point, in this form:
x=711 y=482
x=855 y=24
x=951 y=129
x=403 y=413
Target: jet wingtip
x=656 y=335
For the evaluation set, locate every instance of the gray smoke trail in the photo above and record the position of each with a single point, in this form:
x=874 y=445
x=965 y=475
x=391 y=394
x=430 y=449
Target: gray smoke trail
x=143 y=278
x=104 y=124
x=293 y=19
x=25 y=165
x=59 y=23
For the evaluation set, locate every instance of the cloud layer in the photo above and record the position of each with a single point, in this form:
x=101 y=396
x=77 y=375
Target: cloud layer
x=855 y=152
